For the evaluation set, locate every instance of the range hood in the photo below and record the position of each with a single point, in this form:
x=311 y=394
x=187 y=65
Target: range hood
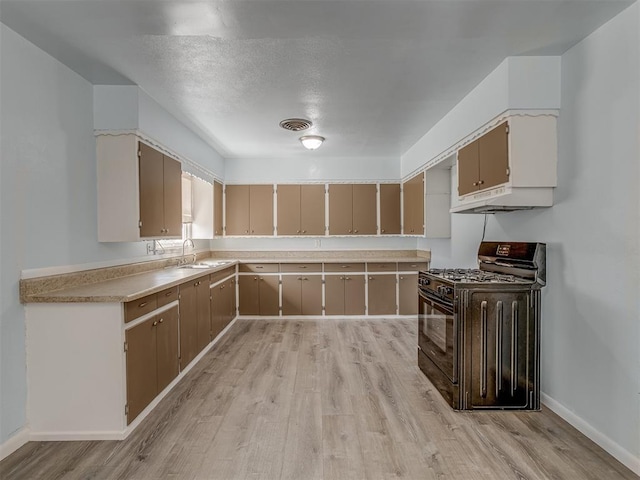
x=504 y=199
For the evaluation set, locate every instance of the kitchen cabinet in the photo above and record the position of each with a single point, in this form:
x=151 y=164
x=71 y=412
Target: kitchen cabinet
x=390 y=209
x=195 y=319
x=484 y=163
x=345 y=294
x=301 y=209
x=223 y=304
x=352 y=209
x=259 y=294
x=139 y=190
x=151 y=359
x=381 y=289
x=302 y=291
x=218 y=194
x=413 y=202
x=407 y=293
x=160 y=194
x=249 y=209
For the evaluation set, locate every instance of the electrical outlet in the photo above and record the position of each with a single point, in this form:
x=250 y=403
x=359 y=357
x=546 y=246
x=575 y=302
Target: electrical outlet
x=150 y=249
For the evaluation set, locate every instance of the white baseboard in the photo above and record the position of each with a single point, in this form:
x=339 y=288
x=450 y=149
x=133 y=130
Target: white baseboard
x=14 y=442
x=628 y=459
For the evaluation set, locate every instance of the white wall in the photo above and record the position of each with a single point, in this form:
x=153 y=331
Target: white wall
x=591 y=314
x=48 y=192
x=311 y=166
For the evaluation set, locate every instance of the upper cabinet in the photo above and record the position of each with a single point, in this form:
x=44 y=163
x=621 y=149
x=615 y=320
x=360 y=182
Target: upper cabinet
x=352 y=209
x=390 y=209
x=301 y=209
x=139 y=191
x=413 y=198
x=249 y=210
x=484 y=163
x=510 y=167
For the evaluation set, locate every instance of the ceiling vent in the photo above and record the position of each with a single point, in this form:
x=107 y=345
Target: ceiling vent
x=295 y=124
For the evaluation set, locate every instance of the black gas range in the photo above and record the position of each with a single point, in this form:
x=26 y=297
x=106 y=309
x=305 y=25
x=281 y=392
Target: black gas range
x=478 y=329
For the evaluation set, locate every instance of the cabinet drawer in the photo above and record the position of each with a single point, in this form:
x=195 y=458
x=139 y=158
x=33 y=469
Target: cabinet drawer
x=412 y=266
x=344 y=267
x=300 y=267
x=137 y=308
x=381 y=267
x=167 y=296
x=259 y=267
x=217 y=276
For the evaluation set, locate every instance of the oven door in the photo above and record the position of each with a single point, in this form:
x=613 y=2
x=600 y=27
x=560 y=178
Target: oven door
x=437 y=332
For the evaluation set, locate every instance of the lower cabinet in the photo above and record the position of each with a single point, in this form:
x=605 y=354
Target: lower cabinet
x=344 y=294
x=408 y=294
x=151 y=358
x=223 y=305
x=259 y=294
x=382 y=294
x=302 y=294
x=195 y=319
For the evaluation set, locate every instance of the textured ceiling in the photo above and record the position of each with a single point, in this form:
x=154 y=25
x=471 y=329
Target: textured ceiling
x=373 y=76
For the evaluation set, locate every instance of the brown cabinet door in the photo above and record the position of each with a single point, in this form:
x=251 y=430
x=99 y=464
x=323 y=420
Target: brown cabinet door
x=364 y=213
x=249 y=299
x=389 y=208
x=151 y=184
x=334 y=295
x=269 y=294
x=167 y=347
x=172 y=197
x=237 y=209
x=292 y=295
x=340 y=209
x=203 y=312
x=413 y=197
x=468 y=168
x=354 y=302
x=408 y=294
x=289 y=210
x=188 y=324
x=494 y=157
x=142 y=384
x=261 y=209
x=312 y=210
x=382 y=295
x=217 y=208
x=311 y=295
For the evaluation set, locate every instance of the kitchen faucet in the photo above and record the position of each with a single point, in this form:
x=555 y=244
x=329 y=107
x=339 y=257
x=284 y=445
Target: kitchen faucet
x=182 y=260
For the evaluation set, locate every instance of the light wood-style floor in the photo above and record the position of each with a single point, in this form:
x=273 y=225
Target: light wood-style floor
x=328 y=399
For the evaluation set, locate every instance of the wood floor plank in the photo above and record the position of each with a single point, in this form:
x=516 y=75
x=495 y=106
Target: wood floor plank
x=321 y=399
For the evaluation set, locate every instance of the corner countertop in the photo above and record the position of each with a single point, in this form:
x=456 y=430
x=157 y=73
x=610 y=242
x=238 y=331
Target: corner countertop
x=130 y=287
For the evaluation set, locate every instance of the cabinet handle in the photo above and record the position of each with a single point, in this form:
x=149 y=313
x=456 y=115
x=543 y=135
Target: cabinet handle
x=401 y=278
x=481 y=182
x=371 y=278
x=305 y=278
x=221 y=287
x=255 y=278
x=355 y=231
x=155 y=323
x=161 y=320
x=246 y=231
x=168 y=293
x=299 y=278
x=347 y=278
x=349 y=231
x=304 y=231
x=475 y=184
x=303 y=266
x=382 y=230
x=297 y=231
x=143 y=304
x=252 y=231
x=259 y=266
x=261 y=279
x=344 y=266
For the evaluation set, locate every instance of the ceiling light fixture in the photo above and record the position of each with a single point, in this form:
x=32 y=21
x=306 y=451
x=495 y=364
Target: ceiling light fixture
x=311 y=142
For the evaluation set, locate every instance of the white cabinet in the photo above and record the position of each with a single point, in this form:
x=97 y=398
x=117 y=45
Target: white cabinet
x=137 y=200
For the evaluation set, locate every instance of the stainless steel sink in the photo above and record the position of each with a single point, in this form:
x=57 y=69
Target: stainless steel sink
x=196 y=266
x=203 y=265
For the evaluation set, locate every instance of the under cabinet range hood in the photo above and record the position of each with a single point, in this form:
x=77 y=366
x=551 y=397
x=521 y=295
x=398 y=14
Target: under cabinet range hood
x=505 y=199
